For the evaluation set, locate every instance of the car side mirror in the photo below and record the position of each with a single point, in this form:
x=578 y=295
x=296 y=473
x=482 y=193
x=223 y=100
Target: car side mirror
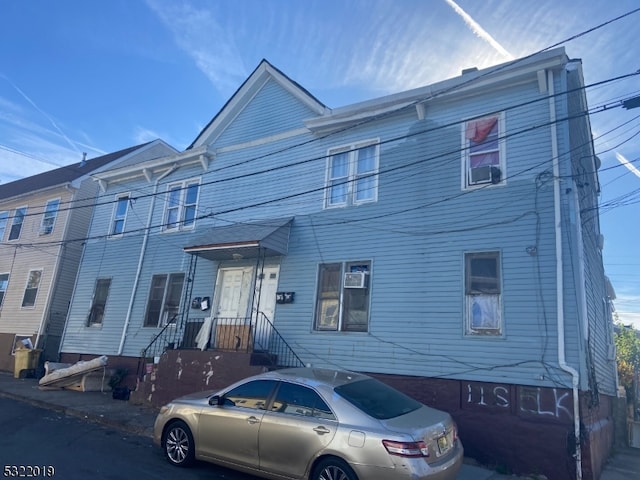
x=216 y=401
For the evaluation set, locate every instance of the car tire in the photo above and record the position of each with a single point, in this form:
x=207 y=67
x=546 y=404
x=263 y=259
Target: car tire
x=333 y=468
x=178 y=445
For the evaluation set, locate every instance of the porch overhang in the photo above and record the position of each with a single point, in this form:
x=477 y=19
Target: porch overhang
x=243 y=240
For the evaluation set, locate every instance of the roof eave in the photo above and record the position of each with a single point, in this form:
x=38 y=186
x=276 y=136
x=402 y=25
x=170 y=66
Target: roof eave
x=464 y=85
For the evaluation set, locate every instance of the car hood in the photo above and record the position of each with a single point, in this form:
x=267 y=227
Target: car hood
x=195 y=397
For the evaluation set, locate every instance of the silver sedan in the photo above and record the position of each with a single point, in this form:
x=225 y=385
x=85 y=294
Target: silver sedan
x=316 y=424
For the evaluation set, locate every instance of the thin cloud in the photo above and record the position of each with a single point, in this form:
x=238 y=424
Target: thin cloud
x=198 y=33
x=478 y=30
x=44 y=114
x=628 y=164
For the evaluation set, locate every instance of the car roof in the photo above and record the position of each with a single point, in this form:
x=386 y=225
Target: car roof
x=316 y=376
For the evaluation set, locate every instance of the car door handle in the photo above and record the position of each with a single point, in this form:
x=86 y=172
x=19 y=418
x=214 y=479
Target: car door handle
x=320 y=430
x=252 y=420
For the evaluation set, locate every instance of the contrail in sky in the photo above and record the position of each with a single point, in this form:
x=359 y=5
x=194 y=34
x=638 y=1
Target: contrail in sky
x=628 y=164
x=47 y=116
x=478 y=30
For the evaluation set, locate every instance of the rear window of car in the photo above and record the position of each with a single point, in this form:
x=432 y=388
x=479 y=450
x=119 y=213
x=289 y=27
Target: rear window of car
x=377 y=399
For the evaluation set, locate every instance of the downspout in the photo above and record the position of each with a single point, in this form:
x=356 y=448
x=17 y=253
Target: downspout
x=575 y=376
x=143 y=250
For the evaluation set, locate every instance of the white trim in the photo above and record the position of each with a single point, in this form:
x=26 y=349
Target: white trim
x=26 y=286
x=6 y=222
x=263 y=141
x=13 y=219
x=465 y=153
x=150 y=170
x=118 y=197
x=351 y=177
x=562 y=362
x=249 y=89
x=469 y=331
x=184 y=187
x=474 y=83
x=41 y=230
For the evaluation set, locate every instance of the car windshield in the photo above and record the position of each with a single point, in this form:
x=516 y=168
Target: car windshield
x=377 y=399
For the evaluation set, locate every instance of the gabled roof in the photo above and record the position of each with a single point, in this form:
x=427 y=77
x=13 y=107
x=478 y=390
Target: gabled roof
x=239 y=100
x=63 y=175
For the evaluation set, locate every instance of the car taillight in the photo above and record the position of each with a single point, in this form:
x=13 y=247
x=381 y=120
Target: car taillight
x=406 y=449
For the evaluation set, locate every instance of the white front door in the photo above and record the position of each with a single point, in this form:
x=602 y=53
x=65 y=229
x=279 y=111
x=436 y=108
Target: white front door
x=266 y=305
x=232 y=293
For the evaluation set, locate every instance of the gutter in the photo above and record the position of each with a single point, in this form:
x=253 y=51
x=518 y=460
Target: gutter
x=575 y=376
x=143 y=250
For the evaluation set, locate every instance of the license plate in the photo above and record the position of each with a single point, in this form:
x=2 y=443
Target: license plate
x=443 y=444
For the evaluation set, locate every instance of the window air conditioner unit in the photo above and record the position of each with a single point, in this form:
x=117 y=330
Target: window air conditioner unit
x=355 y=280
x=487 y=174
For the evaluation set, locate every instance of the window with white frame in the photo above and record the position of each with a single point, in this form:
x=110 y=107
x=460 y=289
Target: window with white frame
x=99 y=302
x=164 y=299
x=3 y=223
x=352 y=174
x=483 y=147
x=342 y=302
x=119 y=214
x=4 y=282
x=16 y=224
x=182 y=205
x=49 y=217
x=483 y=293
x=31 y=290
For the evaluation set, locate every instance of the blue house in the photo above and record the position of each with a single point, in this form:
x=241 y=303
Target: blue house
x=444 y=239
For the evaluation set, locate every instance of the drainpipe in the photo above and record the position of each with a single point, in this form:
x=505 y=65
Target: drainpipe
x=143 y=250
x=575 y=376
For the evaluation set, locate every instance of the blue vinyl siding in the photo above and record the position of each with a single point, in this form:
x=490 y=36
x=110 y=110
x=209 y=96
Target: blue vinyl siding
x=415 y=236
x=272 y=111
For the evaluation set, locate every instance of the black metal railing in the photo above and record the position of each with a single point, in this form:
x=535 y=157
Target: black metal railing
x=257 y=336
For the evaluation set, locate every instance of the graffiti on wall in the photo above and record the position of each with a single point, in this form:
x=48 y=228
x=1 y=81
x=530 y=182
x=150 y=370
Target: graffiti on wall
x=554 y=404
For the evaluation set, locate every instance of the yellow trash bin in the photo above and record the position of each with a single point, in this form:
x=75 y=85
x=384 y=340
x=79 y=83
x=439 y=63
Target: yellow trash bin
x=26 y=359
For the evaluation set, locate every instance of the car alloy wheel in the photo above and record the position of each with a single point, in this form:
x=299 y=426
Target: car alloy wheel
x=333 y=469
x=178 y=444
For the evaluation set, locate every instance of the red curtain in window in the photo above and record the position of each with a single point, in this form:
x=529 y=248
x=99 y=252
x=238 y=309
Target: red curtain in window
x=477 y=130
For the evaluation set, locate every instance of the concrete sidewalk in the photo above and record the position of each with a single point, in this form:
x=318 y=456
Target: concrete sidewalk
x=100 y=407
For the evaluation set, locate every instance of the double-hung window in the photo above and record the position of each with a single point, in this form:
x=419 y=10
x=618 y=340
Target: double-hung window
x=31 y=290
x=49 y=217
x=4 y=282
x=483 y=293
x=342 y=302
x=182 y=205
x=16 y=224
x=164 y=299
x=3 y=223
x=352 y=174
x=99 y=302
x=119 y=214
x=483 y=151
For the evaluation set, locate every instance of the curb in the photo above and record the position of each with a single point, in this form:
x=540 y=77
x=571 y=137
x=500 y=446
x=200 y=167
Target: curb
x=73 y=412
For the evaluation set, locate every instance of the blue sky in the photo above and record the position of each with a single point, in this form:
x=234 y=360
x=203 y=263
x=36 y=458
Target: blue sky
x=97 y=76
